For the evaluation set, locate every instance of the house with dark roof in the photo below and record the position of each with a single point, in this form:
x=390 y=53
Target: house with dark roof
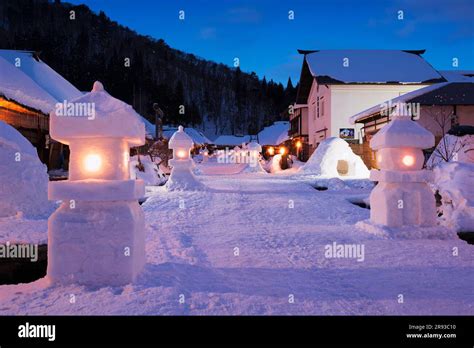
x=438 y=108
x=335 y=84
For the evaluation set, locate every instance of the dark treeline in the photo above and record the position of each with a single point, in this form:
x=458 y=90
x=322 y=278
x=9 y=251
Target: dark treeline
x=216 y=98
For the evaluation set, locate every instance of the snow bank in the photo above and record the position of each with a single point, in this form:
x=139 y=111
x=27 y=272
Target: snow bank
x=183 y=180
x=273 y=165
x=23 y=178
x=152 y=175
x=454 y=181
x=330 y=154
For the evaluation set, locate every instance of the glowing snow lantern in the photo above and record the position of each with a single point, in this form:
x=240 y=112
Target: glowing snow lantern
x=181 y=144
x=271 y=151
x=205 y=155
x=402 y=196
x=181 y=177
x=298 y=144
x=96 y=237
x=282 y=151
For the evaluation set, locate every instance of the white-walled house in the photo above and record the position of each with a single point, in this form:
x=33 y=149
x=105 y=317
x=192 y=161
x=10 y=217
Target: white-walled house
x=336 y=84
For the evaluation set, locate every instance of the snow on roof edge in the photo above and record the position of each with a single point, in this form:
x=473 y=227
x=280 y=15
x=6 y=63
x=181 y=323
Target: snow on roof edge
x=400 y=99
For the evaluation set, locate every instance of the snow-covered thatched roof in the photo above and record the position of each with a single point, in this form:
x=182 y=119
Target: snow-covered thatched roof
x=275 y=134
x=28 y=81
x=232 y=140
x=197 y=137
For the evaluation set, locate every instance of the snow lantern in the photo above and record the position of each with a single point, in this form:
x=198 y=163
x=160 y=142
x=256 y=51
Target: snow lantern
x=181 y=177
x=181 y=144
x=205 y=155
x=402 y=196
x=254 y=150
x=96 y=237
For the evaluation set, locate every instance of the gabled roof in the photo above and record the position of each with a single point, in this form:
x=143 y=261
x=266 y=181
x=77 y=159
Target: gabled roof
x=364 y=67
x=446 y=93
x=28 y=81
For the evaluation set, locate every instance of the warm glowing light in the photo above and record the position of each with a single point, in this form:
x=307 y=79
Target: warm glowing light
x=271 y=151
x=181 y=154
x=93 y=162
x=282 y=150
x=298 y=144
x=408 y=160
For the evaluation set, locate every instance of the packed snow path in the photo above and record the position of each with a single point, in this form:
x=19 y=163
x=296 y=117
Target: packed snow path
x=255 y=244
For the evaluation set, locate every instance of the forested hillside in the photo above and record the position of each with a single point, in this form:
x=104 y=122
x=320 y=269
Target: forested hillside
x=142 y=70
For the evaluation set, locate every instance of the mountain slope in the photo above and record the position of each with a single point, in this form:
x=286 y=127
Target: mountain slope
x=216 y=98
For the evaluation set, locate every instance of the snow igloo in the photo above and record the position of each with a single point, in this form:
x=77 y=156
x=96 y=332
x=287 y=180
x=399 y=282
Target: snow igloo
x=335 y=158
x=23 y=177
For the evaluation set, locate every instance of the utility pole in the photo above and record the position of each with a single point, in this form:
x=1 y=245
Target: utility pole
x=158 y=121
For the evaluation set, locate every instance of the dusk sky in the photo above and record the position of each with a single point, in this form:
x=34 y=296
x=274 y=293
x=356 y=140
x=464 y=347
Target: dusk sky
x=260 y=34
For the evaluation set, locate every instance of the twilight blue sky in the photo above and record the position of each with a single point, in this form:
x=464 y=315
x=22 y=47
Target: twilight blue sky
x=260 y=34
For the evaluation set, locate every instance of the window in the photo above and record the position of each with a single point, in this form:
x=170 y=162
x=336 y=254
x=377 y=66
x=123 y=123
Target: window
x=314 y=110
x=317 y=106
x=322 y=107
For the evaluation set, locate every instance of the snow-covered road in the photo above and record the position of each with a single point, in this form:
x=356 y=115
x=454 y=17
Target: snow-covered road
x=255 y=244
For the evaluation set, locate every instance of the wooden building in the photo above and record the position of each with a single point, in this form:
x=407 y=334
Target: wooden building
x=29 y=91
x=437 y=108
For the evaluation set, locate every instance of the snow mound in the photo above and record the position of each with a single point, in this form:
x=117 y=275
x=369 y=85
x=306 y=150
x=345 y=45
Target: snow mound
x=408 y=232
x=152 y=175
x=184 y=181
x=334 y=153
x=457 y=195
x=273 y=165
x=23 y=178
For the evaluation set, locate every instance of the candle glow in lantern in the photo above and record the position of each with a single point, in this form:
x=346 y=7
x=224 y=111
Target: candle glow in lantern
x=402 y=196
x=181 y=177
x=96 y=237
x=205 y=155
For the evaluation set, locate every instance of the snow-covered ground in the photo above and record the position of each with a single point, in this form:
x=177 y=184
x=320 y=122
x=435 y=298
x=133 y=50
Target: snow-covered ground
x=256 y=244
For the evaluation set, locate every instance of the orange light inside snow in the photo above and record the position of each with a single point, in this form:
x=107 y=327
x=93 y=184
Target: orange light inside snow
x=271 y=151
x=181 y=154
x=408 y=160
x=298 y=144
x=282 y=150
x=92 y=163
